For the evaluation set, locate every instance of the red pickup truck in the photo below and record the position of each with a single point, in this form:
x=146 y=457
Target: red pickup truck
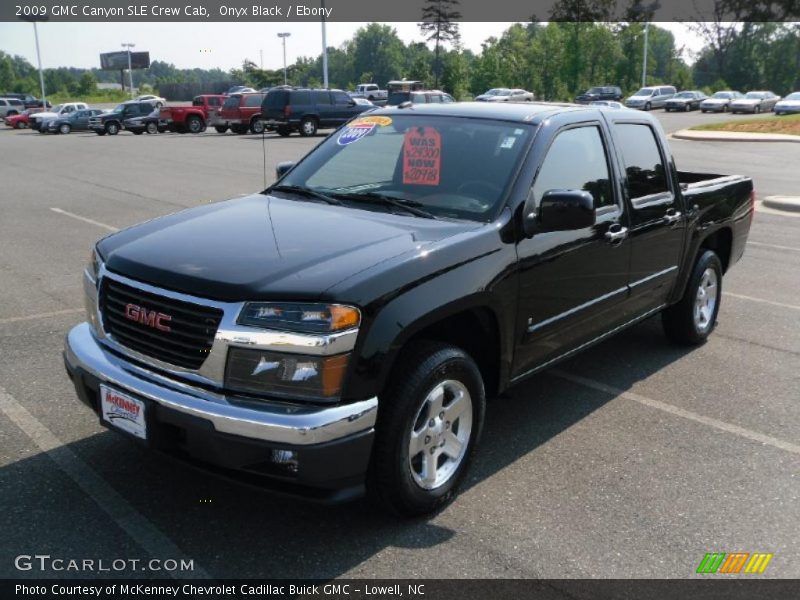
x=241 y=112
x=194 y=118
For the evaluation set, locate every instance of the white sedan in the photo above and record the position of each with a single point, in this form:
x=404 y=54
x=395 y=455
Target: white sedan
x=789 y=105
x=505 y=95
x=157 y=101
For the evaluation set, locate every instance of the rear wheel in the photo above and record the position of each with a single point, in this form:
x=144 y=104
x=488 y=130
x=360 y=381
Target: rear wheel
x=239 y=129
x=429 y=424
x=151 y=127
x=688 y=107
x=137 y=131
x=725 y=108
x=692 y=320
x=221 y=128
x=194 y=124
x=19 y=125
x=284 y=131
x=257 y=126
x=308 y=127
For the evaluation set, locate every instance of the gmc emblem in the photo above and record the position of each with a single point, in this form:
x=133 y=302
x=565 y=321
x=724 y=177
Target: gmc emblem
x=151 y=318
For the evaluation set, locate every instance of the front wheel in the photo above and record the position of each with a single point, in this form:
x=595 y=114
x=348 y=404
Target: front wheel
x=151 y=128
x=724 y=109
x=221 y=128
x=692 y=320
x=688 y=107
x=112 y=128
x=64 y=128
x=257 y=126
x=194 y=124
x=648 y=106
x=308 y=127
x=284 y=131
x=429 y=423
x=757 y=109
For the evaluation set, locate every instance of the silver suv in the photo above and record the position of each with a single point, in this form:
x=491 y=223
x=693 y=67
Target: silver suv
x=11 y=106
x=651 y=97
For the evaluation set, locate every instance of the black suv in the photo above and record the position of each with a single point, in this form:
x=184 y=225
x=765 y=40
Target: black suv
x=111 y=122
x=603 y=92
x=307 y=110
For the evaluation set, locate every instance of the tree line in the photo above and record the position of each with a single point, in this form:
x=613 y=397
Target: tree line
x=555 y=60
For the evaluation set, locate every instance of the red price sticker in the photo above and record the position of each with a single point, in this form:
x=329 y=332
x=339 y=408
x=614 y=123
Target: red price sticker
x=422 y=150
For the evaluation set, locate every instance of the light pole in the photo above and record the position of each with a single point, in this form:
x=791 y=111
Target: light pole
x=33 y=20
x=647 y=11
x=324 y=49
x=644 y=60
x=130 y=69
x=283 y=37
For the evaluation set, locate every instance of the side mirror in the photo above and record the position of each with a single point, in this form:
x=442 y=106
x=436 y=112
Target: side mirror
x=283 y=168
x=560 y=210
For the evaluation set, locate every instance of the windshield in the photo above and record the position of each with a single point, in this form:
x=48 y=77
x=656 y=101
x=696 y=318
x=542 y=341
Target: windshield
x=644 y=92
x=57 y=108
x=754 y=95
x=793 y=96
x=595 y=90
x=119 y=108
x=451 y=167
x=724 y=95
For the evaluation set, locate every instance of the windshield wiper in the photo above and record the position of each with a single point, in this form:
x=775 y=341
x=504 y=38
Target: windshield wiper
x=410 y=206
x=304 y=191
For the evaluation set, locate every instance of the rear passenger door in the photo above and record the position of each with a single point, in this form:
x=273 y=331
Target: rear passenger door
x=657 y=220
x=573 y=283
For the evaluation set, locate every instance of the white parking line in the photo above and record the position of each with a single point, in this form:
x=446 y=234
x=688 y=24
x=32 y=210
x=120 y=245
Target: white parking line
x=55 y=313
x=752 y=299
x=84 y=219
x=680 y=412
x=752 y=243
x=138 y=527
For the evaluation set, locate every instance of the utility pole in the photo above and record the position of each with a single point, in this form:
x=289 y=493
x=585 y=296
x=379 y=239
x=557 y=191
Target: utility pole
x=283 y=37
x=130 y=69
x=34 y=19
x=324 y=50
x=644 y=61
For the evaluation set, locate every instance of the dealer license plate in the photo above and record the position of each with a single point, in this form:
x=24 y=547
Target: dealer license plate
x=123 y=412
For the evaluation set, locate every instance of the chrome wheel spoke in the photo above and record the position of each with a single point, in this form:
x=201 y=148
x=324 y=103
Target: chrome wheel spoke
x=456 y=407
x=429 y=463
x=417 y=444
x=435 y=401
x=452 y=446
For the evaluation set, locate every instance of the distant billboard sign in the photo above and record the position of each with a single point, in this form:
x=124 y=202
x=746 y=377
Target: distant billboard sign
x=116 y=61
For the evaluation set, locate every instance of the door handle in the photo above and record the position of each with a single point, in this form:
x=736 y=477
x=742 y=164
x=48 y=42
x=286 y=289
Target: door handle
x=672 y=216
x=617 y=235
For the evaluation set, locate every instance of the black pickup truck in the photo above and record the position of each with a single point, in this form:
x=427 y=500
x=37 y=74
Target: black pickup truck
x=340 y=331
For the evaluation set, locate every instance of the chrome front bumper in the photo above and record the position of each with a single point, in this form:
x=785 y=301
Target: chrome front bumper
x=274 y=422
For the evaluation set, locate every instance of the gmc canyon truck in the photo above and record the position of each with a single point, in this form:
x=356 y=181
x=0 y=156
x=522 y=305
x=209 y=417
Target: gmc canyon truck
x=339 y=332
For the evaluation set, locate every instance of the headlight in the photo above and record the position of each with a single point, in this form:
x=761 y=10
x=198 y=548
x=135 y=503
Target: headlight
x=293 y=376
x=93 y=266
x=300 y=318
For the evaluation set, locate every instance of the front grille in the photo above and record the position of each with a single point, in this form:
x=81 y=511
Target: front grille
x=192 y=326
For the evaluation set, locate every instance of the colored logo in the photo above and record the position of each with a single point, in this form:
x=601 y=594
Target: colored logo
x=151 y=318
x=354 y=132
x=734 y=562
x=375 y=120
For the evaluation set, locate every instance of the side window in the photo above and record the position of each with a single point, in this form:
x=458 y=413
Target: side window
x=252 y=100
x=213 y=101
x=300 y=98
x=644 y=167
x=322 y=97
x=436 y=98
x=447 y=99
x=576 y=160
x=341 y=98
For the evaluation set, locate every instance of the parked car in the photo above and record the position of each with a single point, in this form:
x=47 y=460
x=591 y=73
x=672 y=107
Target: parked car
x=685 y=101
x=242 y=113
x=370 y=91
x=157 y=101
x=150 y=123
x=74 y=121
x=505 y=95
x=307 y=110
x=790 y=104
x=420 y=97
x=602 y=92
x=10 y=107
x=27 y=99
x=755 y=102
x=238 y=89
x=362 y=102
x=608 y=104
x=194 y=118
x=340 y=331
x=648 y=98
x=20 y=121
x=38 y=120
x=113 y=121
x=719 y=101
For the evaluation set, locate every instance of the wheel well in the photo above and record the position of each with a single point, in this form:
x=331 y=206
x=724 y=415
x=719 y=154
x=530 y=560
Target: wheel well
x=476 y=332
x=720 y=242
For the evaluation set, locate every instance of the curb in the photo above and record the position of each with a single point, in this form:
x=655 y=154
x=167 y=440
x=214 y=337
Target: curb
x=787 y=203
x=733 y=136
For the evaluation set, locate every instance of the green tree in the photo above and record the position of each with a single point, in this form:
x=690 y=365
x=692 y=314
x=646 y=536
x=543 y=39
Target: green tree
x=87 y=84
x=439 y=25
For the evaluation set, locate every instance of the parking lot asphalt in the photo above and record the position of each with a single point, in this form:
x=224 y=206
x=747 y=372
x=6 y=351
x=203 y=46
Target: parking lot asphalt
x=633 y=459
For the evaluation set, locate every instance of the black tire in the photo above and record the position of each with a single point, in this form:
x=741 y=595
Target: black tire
x=19 y=125
x=688 y=107
x=391 y=481
x=284 y=131
x=257 y=126
x=757 y=110
x=137 y=131
x=239 y=129
x=221 y=128
x=725 y=108
x=648 y=106
x=112 y=128
x=100 y=131
x=194 y=124
x=308 y=127
x=151 y=128
x=702 y=110
x=64 y=128
x=680 y=323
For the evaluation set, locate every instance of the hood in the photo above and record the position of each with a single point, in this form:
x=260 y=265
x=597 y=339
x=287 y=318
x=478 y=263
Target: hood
x=641 y=97
x=788 y=103
x=265 y=247
x=44 y=115
x=716 y=100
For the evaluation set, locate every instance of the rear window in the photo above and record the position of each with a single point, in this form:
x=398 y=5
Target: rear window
x=454 y=167
x=252 y=100
x=231 y=102
x=276 y=99
x=321 y=97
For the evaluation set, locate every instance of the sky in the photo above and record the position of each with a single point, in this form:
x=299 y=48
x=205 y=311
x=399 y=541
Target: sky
x=221 y=45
